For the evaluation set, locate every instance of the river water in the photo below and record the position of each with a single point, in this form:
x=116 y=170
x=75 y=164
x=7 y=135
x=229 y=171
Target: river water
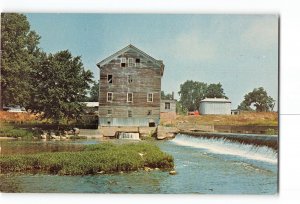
x=203 y=166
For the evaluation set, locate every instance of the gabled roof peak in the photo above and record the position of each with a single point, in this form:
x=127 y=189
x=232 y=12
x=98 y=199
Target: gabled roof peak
x=130 y=46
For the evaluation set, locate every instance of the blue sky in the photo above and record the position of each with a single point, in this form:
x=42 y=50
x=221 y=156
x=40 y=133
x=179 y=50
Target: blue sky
x=239 y=51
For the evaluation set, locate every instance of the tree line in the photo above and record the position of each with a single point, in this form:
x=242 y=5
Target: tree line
x=192 y=92
x=55 y=84
x=52 y=84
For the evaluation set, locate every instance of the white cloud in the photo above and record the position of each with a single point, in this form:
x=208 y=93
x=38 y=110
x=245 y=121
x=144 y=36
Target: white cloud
x=193 y=46
x=262 y=33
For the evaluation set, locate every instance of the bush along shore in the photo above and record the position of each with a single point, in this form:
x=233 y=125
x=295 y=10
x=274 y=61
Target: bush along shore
x=15 y=132
x=98 y=158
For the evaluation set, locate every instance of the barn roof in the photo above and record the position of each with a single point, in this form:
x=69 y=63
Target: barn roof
x=127 y=48
x=216 y=100
x=91 y=104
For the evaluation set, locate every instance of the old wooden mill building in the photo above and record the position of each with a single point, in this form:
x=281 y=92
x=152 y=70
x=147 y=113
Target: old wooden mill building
x=129 y=92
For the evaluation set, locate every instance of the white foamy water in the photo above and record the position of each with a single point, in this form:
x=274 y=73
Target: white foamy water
x=223 y=146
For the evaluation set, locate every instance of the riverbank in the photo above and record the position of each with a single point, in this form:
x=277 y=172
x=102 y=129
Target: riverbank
x=98 y=158
x=248 y=123
x=200 y=170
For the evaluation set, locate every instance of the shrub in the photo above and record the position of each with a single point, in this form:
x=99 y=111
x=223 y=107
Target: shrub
x=11 y=131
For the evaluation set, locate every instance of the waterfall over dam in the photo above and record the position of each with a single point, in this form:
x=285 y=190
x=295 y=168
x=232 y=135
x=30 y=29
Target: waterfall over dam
x=228 y=147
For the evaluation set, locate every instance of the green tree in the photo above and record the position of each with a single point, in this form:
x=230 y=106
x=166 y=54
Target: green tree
x=19 y=51
x=215 y=91
x=259 y=99
x=166 y=96
x=180 y=109
x=94 y=92
x=191 y=93
x=61 y=85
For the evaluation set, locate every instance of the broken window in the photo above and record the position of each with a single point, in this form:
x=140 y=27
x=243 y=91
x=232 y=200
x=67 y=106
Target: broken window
x=129 y=97
x=109 y=78
x=137 y=62
x=129 y=113
x=167 y=106
x=150 y=97
x=109 y=96
x=123 y=62
x=130 y=62
x=130 y=79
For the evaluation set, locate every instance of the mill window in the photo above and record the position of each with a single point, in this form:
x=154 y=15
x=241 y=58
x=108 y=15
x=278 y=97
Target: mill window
x=137 y=62
x=123 y=62
x=109 y=112
x=109 y=96
x=130 y=79
x=109 y=78
x=150 y=97
x=129 y=97
x=129 y=114
x=149 y=112
x=130 y=62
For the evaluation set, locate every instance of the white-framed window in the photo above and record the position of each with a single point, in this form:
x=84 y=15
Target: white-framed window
x=167 y=106
x=109 y=96
x=110 y=78
x=129 y=79
x=150 y=97
x=109 y=112
x=129 y=97
x=130 y=62
x=123 y=61
x=137 y=62
x=129 y=113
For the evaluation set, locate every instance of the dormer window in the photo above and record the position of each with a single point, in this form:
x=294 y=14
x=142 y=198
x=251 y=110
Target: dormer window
x=130 y=62
x=123 y=62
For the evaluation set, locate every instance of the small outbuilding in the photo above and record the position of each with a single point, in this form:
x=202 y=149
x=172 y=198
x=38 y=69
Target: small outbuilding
x=215 y=106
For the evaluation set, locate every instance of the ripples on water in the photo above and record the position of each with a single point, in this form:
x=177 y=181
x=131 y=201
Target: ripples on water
x=204 y=166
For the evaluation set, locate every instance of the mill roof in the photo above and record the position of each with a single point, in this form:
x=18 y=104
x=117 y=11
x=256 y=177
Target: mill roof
x=127 y=48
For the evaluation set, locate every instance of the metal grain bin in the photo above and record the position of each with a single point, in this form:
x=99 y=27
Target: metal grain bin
x=215 y=106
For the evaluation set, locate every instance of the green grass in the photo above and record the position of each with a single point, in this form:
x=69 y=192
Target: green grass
x=12 y=131
x=105 y=157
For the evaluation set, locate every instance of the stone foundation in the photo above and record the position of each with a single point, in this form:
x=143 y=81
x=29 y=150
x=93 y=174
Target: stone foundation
x=111 y=131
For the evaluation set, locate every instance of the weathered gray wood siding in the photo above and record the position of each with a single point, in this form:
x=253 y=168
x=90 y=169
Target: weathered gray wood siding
x=146 y=78
x=172 y=106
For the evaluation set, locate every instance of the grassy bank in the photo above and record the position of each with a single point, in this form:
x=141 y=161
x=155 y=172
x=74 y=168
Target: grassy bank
x=15 y=132
x=105 y=157
x=245 y=118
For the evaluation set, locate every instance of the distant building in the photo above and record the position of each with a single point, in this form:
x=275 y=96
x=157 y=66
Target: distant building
x=168 y=106
x=215 y=106
x=130 y=86
x=168 y=109
x=91 y=107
